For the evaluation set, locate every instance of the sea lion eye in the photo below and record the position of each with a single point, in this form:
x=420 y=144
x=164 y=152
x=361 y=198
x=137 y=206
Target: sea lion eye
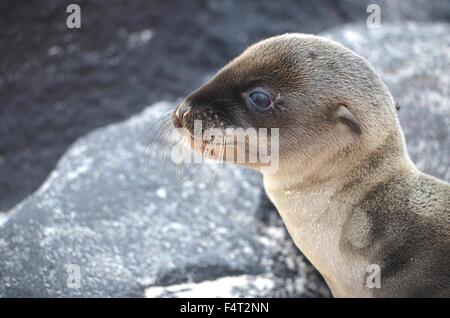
x=260 y=100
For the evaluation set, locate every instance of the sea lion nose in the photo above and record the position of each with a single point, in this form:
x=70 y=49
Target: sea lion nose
x=181 y=113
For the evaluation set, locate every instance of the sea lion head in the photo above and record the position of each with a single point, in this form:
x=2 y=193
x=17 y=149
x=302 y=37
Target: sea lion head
x=322 y=98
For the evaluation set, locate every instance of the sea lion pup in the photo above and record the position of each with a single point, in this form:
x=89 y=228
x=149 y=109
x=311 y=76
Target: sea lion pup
x=346 y=189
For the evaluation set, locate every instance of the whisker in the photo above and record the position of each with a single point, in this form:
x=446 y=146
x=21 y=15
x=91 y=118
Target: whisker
x=217 y=162
x=159 y=143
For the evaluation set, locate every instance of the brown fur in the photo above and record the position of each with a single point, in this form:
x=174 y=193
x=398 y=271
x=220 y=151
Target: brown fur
x=346 y=188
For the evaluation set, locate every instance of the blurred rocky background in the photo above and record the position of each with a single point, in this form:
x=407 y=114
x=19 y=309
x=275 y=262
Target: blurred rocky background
x=75 y=194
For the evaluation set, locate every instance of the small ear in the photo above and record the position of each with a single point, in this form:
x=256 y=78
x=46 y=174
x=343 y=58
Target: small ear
x=345 y=116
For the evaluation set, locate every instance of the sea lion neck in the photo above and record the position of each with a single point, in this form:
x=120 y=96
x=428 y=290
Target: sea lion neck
x=344 y=169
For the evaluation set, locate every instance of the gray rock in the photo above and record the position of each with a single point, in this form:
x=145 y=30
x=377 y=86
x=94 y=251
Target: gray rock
x=134 y=232
x=413 y=60
x=129 y=55
x=113 y=213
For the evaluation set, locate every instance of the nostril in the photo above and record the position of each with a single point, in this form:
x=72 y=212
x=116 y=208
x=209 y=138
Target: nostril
x=183 y=111
x=186 y=112
x=180 y=115
x=176 y=121
x=178 y=112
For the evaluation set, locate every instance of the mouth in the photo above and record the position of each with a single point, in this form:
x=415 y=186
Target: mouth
x=213 y=140
x=195 y=131
x=208 y=148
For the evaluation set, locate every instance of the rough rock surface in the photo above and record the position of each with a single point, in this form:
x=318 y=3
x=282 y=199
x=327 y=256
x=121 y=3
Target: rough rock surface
x=134 y=232
x=58 y=84
x=117 y=213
